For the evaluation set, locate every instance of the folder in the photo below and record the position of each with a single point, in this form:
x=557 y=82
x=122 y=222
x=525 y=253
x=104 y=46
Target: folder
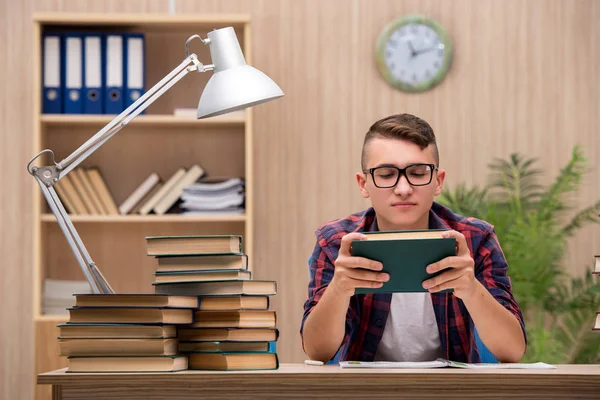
x=73 y=73
x=134 y=67
x=92 y=74
x=113 y=74
x=51 y=74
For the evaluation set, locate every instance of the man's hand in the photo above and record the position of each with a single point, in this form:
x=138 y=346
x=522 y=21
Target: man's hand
x=355 y=272
x=459 y=275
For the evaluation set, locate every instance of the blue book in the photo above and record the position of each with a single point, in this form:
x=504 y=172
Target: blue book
x=93 y=67
x=73 y=73
x=113 y=73
x=134 y=63
x=51 y=74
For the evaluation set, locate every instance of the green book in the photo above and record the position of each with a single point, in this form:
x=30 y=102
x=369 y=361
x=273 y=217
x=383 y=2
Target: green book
x=405 y=256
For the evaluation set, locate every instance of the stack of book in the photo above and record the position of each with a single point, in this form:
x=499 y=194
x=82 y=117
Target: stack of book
x=125 y=332
x=214 y=195
x=233 y=327
x=58 y=295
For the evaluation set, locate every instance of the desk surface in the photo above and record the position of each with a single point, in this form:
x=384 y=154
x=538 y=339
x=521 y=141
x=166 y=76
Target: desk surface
x=299 y=380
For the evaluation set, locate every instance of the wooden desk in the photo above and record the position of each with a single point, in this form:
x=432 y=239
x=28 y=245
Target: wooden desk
x=301 y=381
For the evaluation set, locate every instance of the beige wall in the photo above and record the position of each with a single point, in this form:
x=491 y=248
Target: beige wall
x=526 y=77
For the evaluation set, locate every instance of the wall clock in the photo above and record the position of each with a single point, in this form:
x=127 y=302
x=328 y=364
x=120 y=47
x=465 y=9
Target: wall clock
x=413 y=53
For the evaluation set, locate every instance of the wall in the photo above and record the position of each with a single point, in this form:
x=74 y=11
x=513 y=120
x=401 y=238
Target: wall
x=525 y=78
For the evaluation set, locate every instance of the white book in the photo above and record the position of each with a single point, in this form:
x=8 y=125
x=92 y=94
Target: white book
x=64 y=289
x=172 y=195
x=139 y=193
x=214 y=186
x=212 y=205
x=441 y=363
x=162 y=192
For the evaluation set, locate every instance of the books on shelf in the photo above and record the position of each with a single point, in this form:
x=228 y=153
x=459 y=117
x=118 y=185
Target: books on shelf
x=84 y=192
x=164 y=189
x=58 y=295
x=138 y=194
x=214 y=194
x=170 y=198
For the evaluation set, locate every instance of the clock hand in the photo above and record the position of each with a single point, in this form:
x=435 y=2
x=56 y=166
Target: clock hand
x=413 y=53
x=427 y=50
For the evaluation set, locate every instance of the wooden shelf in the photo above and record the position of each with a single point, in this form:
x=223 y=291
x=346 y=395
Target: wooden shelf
x=51 y=317
x=142 y=120
x=179 y=21
x=150 y=218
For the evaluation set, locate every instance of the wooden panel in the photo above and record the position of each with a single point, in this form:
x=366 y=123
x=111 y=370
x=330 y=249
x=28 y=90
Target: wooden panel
x=16 y=202
x=47 y=353
x=525 y=78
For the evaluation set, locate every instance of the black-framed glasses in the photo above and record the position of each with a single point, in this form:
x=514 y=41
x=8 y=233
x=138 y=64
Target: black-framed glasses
x=388 y=176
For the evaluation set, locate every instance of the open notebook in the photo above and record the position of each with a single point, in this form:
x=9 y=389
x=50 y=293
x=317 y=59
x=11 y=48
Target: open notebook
x=441 y=363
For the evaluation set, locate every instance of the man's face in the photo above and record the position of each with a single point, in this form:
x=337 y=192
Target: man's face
x=403 y=206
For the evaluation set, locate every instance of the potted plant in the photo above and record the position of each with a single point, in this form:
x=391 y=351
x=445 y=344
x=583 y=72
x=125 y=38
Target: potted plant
x=531 y=223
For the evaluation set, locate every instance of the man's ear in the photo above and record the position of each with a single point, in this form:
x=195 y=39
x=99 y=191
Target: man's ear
x=439 y=181
x=361 y=179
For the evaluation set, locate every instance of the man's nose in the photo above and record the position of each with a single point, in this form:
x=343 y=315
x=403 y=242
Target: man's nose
x=403 y=188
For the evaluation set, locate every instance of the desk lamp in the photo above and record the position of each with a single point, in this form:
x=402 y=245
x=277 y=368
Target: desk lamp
x=233 y=86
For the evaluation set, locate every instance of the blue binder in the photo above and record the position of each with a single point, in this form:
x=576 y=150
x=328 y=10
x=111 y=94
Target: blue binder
x=73 y=73
x=93 y=66
x=113 y=73
x=134 y=67
x=51 y=74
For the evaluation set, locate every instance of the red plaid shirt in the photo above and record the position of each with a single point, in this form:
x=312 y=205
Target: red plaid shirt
x=367 y=313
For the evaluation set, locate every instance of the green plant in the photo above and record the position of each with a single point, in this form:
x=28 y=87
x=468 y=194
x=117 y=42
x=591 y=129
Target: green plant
x=533 y=224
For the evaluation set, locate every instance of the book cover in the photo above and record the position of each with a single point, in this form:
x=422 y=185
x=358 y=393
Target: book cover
x=405 y=260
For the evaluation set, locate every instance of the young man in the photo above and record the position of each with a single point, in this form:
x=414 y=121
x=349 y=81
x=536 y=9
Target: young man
x=401 y=175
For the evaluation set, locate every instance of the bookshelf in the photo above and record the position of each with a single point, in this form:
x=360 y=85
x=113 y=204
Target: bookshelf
x=157 y=142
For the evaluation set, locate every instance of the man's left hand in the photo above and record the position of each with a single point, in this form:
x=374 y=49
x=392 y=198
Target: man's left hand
x=459 y=274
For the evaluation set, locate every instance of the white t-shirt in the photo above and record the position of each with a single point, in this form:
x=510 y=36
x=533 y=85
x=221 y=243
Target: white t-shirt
x=411 y=332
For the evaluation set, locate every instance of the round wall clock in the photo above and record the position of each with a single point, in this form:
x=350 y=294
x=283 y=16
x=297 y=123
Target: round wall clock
x=413 y=53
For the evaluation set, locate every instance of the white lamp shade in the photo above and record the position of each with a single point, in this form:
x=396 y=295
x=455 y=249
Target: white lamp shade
x=235 y=85
x=235 y=89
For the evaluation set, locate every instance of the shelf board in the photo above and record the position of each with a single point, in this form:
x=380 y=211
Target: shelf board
x=51 y=317
x=152 y=20
x=142 y=120
x=151 y=218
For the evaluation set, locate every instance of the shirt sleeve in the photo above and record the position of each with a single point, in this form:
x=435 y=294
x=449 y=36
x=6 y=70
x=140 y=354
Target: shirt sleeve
x=491 y=269
x=321 y=269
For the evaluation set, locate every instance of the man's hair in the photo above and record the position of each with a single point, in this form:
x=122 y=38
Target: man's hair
x=401 y=127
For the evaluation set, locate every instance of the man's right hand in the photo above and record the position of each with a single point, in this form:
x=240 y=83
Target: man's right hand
x=355 y=272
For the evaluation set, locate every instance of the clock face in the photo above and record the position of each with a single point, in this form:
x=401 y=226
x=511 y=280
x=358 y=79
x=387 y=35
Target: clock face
x=414 y=53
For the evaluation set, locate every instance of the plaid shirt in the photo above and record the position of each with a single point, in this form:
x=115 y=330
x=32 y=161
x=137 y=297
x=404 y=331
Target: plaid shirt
x=367 y=313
